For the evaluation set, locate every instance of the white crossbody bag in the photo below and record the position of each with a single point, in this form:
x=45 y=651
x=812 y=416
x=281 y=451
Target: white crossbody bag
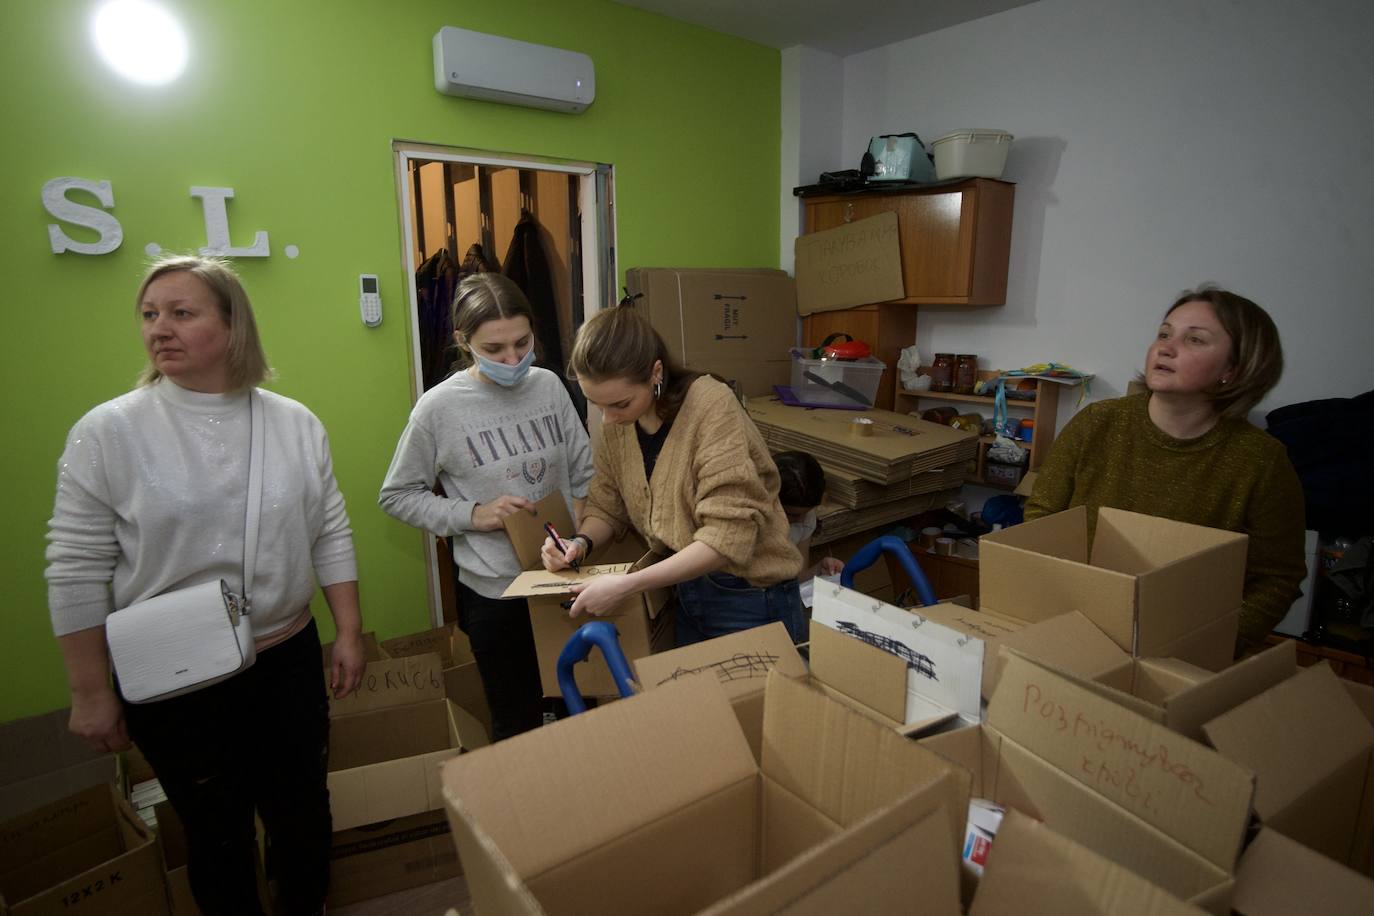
x=196 y=636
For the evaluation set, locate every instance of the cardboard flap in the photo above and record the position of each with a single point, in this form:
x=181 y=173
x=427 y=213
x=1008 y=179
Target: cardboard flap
x=843 y=764
x=854 y=264
x=541 y=582
x=394 y=682
x=1188 y=791
x=439 y=640
x=1036 y=872
x=1308 y=718
x=1138 y=544
x=739 y=662
x=1069 y=642
x=1062 y=534
x=526 y=529
x=874 y=678
x=886 y=862
x=619 y=766
x=1192 y=707
x=1278 y=877
x=944 y=667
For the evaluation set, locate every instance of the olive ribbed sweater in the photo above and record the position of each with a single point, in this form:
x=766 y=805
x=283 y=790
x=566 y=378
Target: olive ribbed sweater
x=1235 y=477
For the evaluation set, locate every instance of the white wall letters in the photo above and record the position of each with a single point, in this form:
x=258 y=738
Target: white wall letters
x=217 y=226
x=112 y=233
x=56 y=203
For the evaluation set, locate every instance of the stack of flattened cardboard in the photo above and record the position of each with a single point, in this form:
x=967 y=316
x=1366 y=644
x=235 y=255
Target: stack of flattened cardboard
x=896 y=449
x=851 y=491
x=837 y=522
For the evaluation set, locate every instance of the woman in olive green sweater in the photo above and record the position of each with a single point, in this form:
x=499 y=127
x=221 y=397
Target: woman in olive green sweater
x=1184 y=450
x=680 y=462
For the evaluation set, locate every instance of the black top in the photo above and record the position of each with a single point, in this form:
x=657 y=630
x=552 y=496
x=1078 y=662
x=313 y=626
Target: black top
x=650 y=446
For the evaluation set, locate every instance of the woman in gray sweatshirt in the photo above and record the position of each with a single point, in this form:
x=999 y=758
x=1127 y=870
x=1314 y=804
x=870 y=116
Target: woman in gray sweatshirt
x=498 y=435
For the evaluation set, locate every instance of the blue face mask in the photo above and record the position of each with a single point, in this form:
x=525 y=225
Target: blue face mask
x=505 y=374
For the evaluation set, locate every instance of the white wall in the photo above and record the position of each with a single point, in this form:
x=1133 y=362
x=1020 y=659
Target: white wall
x=812 y=88
x=1159 y=144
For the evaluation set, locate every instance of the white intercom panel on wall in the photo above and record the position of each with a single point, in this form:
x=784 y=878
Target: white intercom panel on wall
x=369 y=300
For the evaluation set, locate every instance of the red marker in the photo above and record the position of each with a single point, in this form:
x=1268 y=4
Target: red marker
x=548 y=527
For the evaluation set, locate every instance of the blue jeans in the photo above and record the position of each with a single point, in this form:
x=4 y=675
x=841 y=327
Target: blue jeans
x=719 y=603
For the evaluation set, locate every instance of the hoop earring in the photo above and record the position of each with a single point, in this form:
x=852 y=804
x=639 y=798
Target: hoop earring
x=658 y=390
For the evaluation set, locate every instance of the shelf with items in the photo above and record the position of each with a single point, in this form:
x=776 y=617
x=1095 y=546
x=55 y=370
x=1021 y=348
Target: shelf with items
x=1043 y=409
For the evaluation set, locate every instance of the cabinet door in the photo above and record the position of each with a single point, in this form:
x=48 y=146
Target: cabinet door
x=955 y=239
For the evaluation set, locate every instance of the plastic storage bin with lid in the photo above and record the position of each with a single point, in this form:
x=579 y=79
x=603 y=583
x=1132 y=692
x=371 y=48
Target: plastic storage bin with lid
x=842 y=382
x=971 y=154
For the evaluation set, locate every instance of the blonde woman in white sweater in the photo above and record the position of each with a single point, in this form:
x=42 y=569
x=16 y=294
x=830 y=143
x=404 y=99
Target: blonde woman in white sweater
x=150 y=496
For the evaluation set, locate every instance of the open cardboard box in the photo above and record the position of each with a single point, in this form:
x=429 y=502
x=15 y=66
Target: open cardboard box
x=739 y=662
x=642 y=625
x=387 y=740
x=1362 y=857
x=1278 y=877
x=740 y=324
x=462 y=681
x=1033 y=871
x=1157 y=587
x=87 y=852
x=43 y=761
x=1169 y=809
x=385 y=745
x=655 y=805
x=1310 y=747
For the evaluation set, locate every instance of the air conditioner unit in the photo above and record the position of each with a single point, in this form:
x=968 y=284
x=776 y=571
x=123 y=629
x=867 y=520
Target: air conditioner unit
x=476 y=65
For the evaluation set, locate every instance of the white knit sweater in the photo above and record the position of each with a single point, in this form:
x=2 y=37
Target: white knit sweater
x=151 y=491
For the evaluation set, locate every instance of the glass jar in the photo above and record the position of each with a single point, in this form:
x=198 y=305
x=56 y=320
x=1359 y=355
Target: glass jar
x=942 y=372
x=965 y=373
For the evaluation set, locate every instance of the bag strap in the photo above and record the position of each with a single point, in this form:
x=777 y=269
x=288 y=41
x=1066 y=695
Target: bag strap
x=253 y=507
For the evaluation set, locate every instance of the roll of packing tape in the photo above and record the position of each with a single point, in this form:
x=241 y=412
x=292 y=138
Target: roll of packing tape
x=861 y=426
x=944 y=547
x=929 y=536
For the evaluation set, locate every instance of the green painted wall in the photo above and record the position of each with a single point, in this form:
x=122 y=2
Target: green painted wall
x=295 y=105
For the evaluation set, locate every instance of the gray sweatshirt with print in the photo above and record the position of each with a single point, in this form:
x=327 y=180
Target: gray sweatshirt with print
x=480 y=441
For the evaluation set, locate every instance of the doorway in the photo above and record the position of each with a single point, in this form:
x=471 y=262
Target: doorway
x=548 y=224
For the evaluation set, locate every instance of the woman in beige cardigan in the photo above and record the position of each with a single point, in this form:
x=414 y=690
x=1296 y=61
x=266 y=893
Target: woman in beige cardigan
x=680 y=462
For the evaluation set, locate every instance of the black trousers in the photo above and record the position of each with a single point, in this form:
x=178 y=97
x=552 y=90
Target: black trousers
x=258 y=740
x=503 y=645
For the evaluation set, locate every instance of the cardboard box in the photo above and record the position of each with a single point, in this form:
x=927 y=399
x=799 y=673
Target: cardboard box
x=43 y=761
x=1183 y=697
x=376 y=859
x=656 y=804
x=1033 y=871
x=1169 y=809
x=639 y=620
x=739 y=662
x=1362 y=857
x=1310 y=747
x=462 y=680
x=387 y=740
x=1278 y=877
x=738 y=324
x=87 y=852
x=1158 y=588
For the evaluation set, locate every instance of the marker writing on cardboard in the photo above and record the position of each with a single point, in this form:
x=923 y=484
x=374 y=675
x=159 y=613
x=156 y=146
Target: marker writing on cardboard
x=558 y=542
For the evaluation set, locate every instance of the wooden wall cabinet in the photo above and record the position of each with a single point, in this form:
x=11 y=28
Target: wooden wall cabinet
x=956 y=238
x=955 y=245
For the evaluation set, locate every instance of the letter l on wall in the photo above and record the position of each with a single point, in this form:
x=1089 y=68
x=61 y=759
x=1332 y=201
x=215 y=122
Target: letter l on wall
x=217 y=226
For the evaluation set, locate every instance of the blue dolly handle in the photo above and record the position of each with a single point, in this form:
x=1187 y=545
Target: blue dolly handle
x=868 y=555
x=602 y=635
